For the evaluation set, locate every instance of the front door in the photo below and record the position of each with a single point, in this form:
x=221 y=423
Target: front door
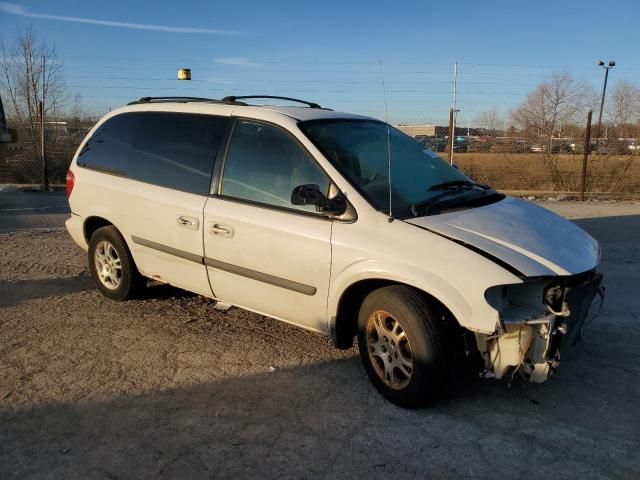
x=263 y=253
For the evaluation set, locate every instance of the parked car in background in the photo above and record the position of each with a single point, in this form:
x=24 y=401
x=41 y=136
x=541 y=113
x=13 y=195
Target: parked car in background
x=437 y=144
x=613 y=147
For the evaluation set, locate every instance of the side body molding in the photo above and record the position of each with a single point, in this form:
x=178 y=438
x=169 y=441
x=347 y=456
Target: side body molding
x=227 y=267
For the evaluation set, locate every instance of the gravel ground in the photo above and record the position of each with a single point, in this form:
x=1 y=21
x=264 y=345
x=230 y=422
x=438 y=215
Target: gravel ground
x=169 y=387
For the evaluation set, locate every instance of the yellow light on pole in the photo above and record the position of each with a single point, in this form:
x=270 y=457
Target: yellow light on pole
x=184 y=74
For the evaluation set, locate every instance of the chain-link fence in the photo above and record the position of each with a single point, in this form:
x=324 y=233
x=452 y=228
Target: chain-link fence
x=503 y=165
x=609 y=176
x=22 y=164
x=530 y=167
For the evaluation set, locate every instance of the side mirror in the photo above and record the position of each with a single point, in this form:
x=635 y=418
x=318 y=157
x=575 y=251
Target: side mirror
x=310 y=194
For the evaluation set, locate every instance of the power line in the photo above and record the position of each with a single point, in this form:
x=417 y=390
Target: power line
x=346 y=82
x=373 y=64
x=359 y=91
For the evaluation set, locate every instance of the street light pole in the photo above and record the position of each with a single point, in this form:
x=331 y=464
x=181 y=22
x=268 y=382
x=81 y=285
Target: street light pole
x=604 y=91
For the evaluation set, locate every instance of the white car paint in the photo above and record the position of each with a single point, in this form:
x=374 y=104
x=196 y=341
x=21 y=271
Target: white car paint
x=401 y=252
x=328 y=254
x=284 y=245
x=532 y=239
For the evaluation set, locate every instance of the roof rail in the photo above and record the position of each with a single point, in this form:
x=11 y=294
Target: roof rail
x=233 y=99
x=230 y=100
x=182 y=99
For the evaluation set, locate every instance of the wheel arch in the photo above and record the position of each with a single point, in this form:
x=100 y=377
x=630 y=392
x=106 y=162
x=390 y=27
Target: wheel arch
x=93 y=223
x=344 y=324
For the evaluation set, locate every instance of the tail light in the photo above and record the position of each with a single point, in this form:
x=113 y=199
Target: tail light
x=71 y=181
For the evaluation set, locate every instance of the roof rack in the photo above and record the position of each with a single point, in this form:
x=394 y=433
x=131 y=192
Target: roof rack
x=182 y=99
x=233 y=99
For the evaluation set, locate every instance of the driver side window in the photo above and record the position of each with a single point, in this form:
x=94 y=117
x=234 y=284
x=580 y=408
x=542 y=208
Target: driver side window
x=264 y=164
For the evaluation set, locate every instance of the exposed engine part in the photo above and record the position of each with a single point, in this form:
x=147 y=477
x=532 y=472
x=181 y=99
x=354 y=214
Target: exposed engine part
x=536 y=320
x=554 y=298
x=522 y=347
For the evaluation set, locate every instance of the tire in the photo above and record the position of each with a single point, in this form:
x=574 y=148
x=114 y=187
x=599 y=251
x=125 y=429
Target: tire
x=112 y=266
x=413 y=335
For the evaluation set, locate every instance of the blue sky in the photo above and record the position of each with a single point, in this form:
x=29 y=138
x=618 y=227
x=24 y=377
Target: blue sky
x=330 y=51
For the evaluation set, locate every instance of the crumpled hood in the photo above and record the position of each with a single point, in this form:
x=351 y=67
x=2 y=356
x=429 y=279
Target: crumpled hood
x=530 y=238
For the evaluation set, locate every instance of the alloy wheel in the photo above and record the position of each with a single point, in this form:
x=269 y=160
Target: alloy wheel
x=389 y=349
x=108 y=265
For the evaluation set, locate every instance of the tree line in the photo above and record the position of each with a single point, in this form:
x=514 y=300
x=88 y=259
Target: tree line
x=558 y=108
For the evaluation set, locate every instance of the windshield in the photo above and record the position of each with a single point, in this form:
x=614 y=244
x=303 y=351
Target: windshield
x=360 y=150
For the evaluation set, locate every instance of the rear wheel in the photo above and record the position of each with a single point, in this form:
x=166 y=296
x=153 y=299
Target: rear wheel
x=401 y=346
x=112 y=265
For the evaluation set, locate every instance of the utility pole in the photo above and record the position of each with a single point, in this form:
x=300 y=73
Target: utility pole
x=43 y=149
x=585 y=158
x=451 y=136
x=452 y=116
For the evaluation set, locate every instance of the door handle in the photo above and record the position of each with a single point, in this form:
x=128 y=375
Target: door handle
x=186 y=221
x=221 y=230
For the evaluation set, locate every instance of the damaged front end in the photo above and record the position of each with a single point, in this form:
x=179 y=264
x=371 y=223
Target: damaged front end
x=538 y=319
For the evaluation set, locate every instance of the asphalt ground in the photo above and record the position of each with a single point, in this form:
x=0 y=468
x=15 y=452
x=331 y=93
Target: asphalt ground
x=166 y=386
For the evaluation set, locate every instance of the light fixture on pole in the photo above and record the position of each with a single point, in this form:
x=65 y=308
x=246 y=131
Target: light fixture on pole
x=606 y=67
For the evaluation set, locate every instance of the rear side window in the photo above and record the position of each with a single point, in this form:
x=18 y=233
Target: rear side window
x=173 y=150
x=176 y=150
x=108 y=149
x=264 y=164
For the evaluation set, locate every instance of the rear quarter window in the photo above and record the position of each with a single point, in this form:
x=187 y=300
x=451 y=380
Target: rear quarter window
x=108 y=148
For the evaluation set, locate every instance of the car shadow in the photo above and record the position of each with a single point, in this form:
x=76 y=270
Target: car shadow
x=325 y=420
x=163 y=291
x=15 y=292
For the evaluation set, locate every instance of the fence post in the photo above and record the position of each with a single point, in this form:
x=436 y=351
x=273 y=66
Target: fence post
x=587 y=145
x=43 y=145
x=43 y=150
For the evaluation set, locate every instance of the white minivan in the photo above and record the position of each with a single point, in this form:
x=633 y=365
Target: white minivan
x=337 y=223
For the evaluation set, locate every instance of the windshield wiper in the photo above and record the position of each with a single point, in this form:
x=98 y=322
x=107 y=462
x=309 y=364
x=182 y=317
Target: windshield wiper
x=451 y=188
x=456 y=183
x=416 y=207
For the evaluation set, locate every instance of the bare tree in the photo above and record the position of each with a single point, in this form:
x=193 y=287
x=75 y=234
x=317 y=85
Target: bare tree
x=624 y=108
x=550 y=108
x=490 y=121
x=559 y=101
x=22 y=83
x=76 y=111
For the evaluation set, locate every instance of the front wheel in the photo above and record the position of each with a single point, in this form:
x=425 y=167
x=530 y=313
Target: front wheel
x=401 y=346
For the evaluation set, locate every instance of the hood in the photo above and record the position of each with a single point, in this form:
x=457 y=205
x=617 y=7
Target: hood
x=529 y=238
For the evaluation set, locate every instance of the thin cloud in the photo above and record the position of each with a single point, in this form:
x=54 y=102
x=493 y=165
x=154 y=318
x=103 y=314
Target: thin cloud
x=241 y=61
x=13 y=9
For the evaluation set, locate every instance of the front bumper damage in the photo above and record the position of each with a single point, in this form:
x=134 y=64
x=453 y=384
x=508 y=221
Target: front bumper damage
x=538 y=320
